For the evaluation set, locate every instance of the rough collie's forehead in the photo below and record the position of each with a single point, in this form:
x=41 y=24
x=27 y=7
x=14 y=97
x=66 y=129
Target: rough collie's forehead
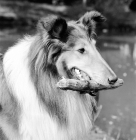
x=76 y=33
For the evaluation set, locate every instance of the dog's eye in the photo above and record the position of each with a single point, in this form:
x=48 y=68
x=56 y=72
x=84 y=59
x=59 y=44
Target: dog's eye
x=82 y=50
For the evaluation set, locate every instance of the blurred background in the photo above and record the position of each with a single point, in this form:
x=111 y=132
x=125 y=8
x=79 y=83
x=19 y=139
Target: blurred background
x=116 y=42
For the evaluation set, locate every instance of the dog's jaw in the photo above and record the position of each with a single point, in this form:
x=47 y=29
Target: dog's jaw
x=80 y=81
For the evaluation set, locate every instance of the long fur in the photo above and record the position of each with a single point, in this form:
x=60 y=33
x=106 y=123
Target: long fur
x=39 y=121
x=32 y=107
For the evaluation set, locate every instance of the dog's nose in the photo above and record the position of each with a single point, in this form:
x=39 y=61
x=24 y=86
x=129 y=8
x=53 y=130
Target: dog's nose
x=112 y=81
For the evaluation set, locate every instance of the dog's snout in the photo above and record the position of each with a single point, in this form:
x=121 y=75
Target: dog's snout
x=112 y=81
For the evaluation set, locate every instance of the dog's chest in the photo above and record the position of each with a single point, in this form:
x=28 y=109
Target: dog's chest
x=38 y=124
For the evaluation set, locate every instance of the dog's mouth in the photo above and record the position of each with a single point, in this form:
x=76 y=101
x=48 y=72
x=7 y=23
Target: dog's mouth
x=79 y=80
x=84 y=77
x=79 y=74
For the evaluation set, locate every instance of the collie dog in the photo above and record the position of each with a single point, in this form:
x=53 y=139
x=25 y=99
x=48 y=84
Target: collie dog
x=48 y=81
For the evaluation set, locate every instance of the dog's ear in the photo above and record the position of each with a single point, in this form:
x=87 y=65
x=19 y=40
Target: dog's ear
x=55 y=26
x=90 y=19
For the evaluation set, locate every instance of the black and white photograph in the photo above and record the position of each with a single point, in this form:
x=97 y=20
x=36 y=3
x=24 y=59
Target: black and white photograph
x=67 y=69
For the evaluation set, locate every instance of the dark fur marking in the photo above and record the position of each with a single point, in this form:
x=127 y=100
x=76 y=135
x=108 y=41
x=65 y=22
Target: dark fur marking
x=67 y=70
x=45 y=76
x=55 y=26
x=0 y=107
x=2 y=135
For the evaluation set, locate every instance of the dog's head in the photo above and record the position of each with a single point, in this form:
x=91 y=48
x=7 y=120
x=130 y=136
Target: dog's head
x=72 y=51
